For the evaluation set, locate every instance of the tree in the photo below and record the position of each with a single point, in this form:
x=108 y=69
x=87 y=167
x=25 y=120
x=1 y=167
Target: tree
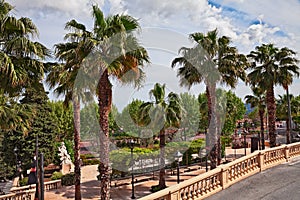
x=63 y=117
x=128 y=119
x=64 y=76
x=288 y=62
x=21 y=59
x=282 y=111
x=122 y=59
x=160 y=114
x=191 y=115
x=258 y=100
x=42 y=126
x=270 y=65
x=211 y=61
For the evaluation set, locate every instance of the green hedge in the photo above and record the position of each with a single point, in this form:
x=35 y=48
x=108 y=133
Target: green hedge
x=56 y=176
x=68 y=179
x=24 y=181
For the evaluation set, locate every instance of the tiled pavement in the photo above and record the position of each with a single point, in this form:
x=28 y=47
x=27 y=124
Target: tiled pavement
x=90 y=186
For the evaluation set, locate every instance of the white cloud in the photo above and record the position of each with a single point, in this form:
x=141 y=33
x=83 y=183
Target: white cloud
x=66 y=7
x=279 y=19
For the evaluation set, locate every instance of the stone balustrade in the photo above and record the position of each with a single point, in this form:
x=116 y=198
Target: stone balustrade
x=28 y=192
x=223 y=176
x=23 y=195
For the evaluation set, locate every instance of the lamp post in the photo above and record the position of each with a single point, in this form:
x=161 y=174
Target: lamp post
x=178 y=158
x=246 y=129
x=203 y=153
x=258 y=135
x=132 y=175
x=16 y=155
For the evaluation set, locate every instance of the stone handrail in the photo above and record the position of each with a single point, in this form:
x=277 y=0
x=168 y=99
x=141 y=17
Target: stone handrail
x=28 y=192
x=24 y=195
x=223 y=176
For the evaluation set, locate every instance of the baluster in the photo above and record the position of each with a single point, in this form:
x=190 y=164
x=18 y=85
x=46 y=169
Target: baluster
x=194 y=193
x=184 y=194
x=190 y=196
x=199 y=189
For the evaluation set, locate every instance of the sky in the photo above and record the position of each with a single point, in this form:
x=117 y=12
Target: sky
x=165 y=28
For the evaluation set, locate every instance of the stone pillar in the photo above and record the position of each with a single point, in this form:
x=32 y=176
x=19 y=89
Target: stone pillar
x=261 y=161
x=286 y=153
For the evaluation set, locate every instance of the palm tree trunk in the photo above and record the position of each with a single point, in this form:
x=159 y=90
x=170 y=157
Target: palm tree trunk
x=262 y=129
x=104 y=100
x=271 y=116
x=162 y=172
x=289 y=117
x=76 y=107
x=211 y=136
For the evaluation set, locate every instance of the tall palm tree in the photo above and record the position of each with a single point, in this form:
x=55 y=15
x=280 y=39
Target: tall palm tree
x=269 y=65
x=283 y=113
x=165 y=111
x=122 y=59
x=211 y=61
x=258 y=100
x=21 y=58
x=63 y=76
x=288 y=61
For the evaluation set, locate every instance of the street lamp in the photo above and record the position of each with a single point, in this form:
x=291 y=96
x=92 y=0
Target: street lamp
x=178 y=158
x=132 y=175
x=16 y=155
x=245 y=130
x=258 y=135
x=203 y=153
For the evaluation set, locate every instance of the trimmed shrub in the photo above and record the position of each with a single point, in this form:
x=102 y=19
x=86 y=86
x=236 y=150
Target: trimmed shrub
x=68 y=179
x=56 y=176
x=24 y=181
x=91 y=162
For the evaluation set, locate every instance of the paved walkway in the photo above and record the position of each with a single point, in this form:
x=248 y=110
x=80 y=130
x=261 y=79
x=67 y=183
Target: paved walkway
x=90 y=186
x=280 y=182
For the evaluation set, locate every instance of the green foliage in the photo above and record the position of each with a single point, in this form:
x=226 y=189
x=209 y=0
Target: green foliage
x=156 y=188
x=42 y=126
x=235 y=110
x=89 y=117
x=56 y=176
x=191 y=114
x=90 y=161
x=63 y=117
x=70 y=148
x=203 y=110
x=87 y=156
x=23 y=182
x=68 y=179
x=89 y=120
x=128 y=119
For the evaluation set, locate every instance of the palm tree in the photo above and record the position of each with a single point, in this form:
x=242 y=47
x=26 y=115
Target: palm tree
x=268 y=67
x=64 y=77
x=211 y=61
x=283 y=113
x=21 y=58
x=122 y=59
x=288 y=61
x=165 y=112
x=14 y=116
x=258 y=100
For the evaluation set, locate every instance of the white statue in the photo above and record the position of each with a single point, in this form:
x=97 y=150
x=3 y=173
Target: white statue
x=64 y=156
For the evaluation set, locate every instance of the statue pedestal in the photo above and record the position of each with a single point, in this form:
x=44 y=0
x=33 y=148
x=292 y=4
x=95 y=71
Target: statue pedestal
x=67 y=168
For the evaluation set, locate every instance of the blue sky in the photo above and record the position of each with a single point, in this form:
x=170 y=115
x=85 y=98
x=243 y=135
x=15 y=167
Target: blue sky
x=167 y=23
